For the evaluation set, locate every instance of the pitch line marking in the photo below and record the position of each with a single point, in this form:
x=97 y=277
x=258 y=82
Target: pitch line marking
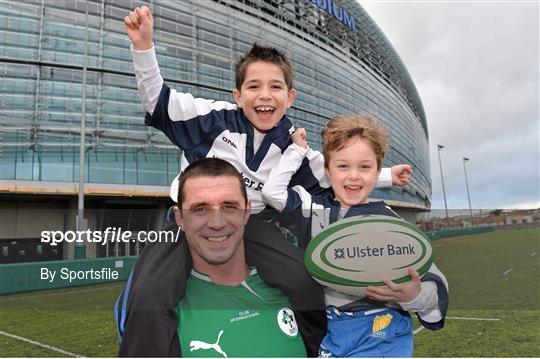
x=49 y=294
x=46 y=346
x=420 y=328
x=508 y=271
x=462 y=318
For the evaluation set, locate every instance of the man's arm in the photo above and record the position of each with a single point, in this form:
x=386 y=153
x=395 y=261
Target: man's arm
x=146 y=310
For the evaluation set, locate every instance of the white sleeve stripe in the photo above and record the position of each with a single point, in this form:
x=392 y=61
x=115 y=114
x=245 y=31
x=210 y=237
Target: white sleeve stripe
x=275 y=191
x=305 y=198
x=385 y=178
x=183 y=107
x=426 y=302
x=430 y=316
x=149 y=80
x=435 y=270
x=316 y=163
x=426 y=299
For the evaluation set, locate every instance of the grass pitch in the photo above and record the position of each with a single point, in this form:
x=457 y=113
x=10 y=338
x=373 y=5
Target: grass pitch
x=494 y=277
x=78 y=320
x=494 y=306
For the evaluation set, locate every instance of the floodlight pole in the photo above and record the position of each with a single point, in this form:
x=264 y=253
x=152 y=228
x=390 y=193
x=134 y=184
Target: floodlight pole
x=81 y=221
x=465 y=160
x=439 y=148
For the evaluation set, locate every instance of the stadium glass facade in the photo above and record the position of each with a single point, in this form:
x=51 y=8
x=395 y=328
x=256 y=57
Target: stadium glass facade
x=343 y=64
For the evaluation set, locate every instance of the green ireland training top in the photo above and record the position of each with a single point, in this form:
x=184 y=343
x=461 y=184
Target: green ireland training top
x=247 y=320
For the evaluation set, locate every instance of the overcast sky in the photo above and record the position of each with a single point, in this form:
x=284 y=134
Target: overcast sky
x=476 y=67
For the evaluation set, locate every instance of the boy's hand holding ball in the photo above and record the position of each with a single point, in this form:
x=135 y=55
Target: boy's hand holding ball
x=392 y=292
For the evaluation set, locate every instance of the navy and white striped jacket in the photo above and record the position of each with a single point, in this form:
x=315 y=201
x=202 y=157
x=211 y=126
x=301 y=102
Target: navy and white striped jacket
x=206 y=128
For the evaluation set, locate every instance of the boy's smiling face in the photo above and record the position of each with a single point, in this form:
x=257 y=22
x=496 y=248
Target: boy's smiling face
x=353 y=172
x=264 y=95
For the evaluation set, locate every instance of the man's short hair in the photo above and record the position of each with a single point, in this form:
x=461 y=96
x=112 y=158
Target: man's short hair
x=341 y=129
x=209 y=167
x=263 y=53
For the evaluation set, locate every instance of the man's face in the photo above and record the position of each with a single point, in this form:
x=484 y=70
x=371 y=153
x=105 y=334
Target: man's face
x=353 y=172
x=213 y=216
x=264 y=96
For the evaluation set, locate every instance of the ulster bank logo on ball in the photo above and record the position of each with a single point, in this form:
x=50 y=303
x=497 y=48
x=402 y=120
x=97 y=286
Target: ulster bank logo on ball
x=356 y=252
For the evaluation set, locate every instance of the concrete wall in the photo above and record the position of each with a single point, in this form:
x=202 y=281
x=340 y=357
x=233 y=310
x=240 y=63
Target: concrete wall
x=23 y=219
x=28 y=219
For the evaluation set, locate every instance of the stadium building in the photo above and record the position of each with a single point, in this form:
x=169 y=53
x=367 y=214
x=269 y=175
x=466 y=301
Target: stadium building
x=343 y=64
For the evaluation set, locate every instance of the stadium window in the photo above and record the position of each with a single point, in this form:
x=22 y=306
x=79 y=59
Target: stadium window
x=104 y=167
x=57 y=164
x=24 y=163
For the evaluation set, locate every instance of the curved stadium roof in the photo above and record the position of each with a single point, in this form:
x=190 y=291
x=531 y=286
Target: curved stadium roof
x=367 y=43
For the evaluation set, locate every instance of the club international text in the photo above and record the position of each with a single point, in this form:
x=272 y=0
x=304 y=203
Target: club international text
x=110 y=234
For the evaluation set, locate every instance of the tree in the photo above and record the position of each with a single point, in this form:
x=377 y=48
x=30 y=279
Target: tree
x=496 y=212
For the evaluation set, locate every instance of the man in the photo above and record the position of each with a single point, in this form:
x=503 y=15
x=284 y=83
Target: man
x=227 y=310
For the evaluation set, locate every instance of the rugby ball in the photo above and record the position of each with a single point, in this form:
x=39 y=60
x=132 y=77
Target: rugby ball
x=357 y=252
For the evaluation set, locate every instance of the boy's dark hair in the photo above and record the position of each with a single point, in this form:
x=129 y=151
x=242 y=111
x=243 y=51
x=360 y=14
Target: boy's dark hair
x=263 y=53
x=209 y=167
x=342 y=129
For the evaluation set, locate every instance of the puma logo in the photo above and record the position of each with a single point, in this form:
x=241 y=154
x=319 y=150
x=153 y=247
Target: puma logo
x=197 y=344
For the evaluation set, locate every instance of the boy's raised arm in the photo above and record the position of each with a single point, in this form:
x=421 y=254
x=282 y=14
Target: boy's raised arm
x=174 y=113
x=397 y=175
x=139 y=26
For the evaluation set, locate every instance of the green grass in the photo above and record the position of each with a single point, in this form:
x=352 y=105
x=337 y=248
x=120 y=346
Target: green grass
x=15 y=348
x=515 y=334
x=475 y=267
x=80 y=320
